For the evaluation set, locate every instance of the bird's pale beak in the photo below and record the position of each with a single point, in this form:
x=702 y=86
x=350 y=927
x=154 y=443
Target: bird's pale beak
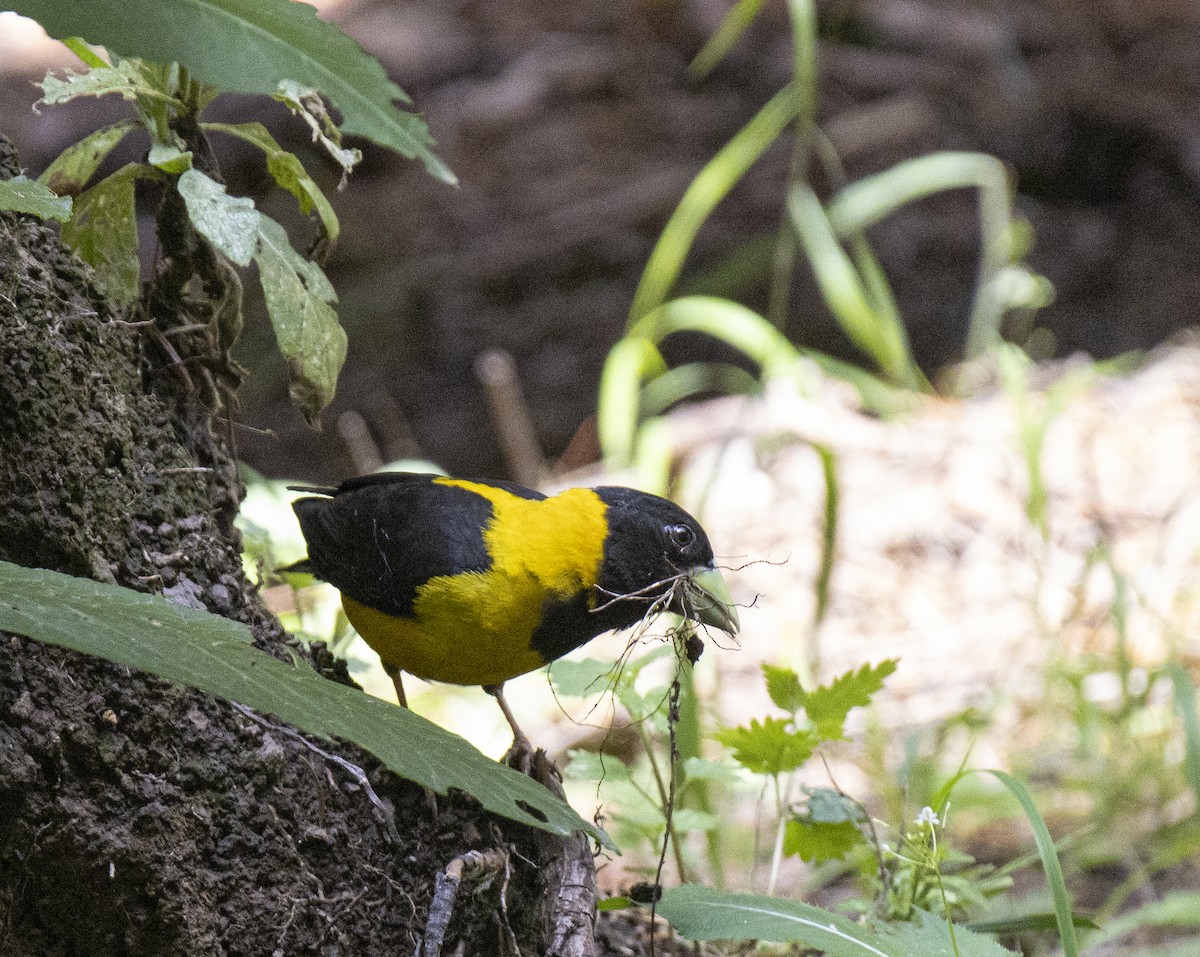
x=707 y=600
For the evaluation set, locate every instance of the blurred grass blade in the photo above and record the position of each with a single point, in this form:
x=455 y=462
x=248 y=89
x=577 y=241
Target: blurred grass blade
x=216 y=655
x=1047 y=852
x=739 y=327
x=737 y=20
x=710 y=186
x=877 y=334
x=631 y=361
x=1185 y=701
x=869 y=200
x=696 y=378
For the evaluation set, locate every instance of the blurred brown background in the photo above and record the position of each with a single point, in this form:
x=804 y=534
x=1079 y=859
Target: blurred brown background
x=574 y=129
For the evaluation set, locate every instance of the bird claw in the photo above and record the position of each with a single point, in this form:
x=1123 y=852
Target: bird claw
x=533 y=763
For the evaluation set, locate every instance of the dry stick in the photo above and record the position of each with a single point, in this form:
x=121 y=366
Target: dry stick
x=497 y=373
x=359 y=775
x=473 y=864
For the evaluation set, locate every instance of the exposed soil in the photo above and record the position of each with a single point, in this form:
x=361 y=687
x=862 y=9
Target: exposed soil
x=142 y=818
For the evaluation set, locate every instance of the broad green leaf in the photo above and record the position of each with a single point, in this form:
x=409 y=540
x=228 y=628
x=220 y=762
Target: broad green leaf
x=125 y=79
x=591 y=766
x=215 y=655
x=169 y=158
x=783 y=685
x=103 y=231
x=230 y=223
x=700 y=913
x=298 y=298
x=769 y=747
x=828 y=705
x=704 y=769
x=74 y=166
x=577 y=679
x=286 y=169
x=22 y=195
x=251 y=46
x=818 y=841
x=830 y=807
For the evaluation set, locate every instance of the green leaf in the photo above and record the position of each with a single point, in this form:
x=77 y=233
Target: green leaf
x=783 y=685
x=1025 y=923
x=769 y=747
x=1185 y=702
x=817 y=841
x=252 y=46
x=22 y=195
x=74 y=166
x=286 y=169
x=828 y=705
x=230 y=223
x=169 y=158
x=592 y=766
x=578 y=679
x=298 y=298
x=103 y=231
x=125 y=79
x=699 y=913
x=704 y=769
x=215 y=655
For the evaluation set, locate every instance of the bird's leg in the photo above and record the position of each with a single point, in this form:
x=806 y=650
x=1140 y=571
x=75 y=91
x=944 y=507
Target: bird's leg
x=521 y=752
x=393 y=672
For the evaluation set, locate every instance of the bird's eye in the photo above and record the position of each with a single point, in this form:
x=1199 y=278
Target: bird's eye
x=681 y=535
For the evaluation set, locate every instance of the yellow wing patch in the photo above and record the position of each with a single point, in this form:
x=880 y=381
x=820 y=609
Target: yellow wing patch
x=476 y=627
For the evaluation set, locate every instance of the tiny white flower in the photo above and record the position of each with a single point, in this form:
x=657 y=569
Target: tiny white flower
x=928 y=817
x=885 y=847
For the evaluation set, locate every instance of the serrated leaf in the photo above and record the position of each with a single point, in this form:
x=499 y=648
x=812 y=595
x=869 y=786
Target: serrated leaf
x=103 y=232
x=298 y=297
x=74 y=166
x=928 y=936
x=230 y=223
x=820 y=841
x=22 y=195
x=783 y=685
x=125 y=79
x=769 y=747
x=286 y=169
x=828 y=705
x=215 y=655
x=251 y=46
x=700 y=913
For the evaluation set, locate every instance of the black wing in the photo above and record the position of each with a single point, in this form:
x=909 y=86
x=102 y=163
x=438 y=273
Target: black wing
x=379 y=537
